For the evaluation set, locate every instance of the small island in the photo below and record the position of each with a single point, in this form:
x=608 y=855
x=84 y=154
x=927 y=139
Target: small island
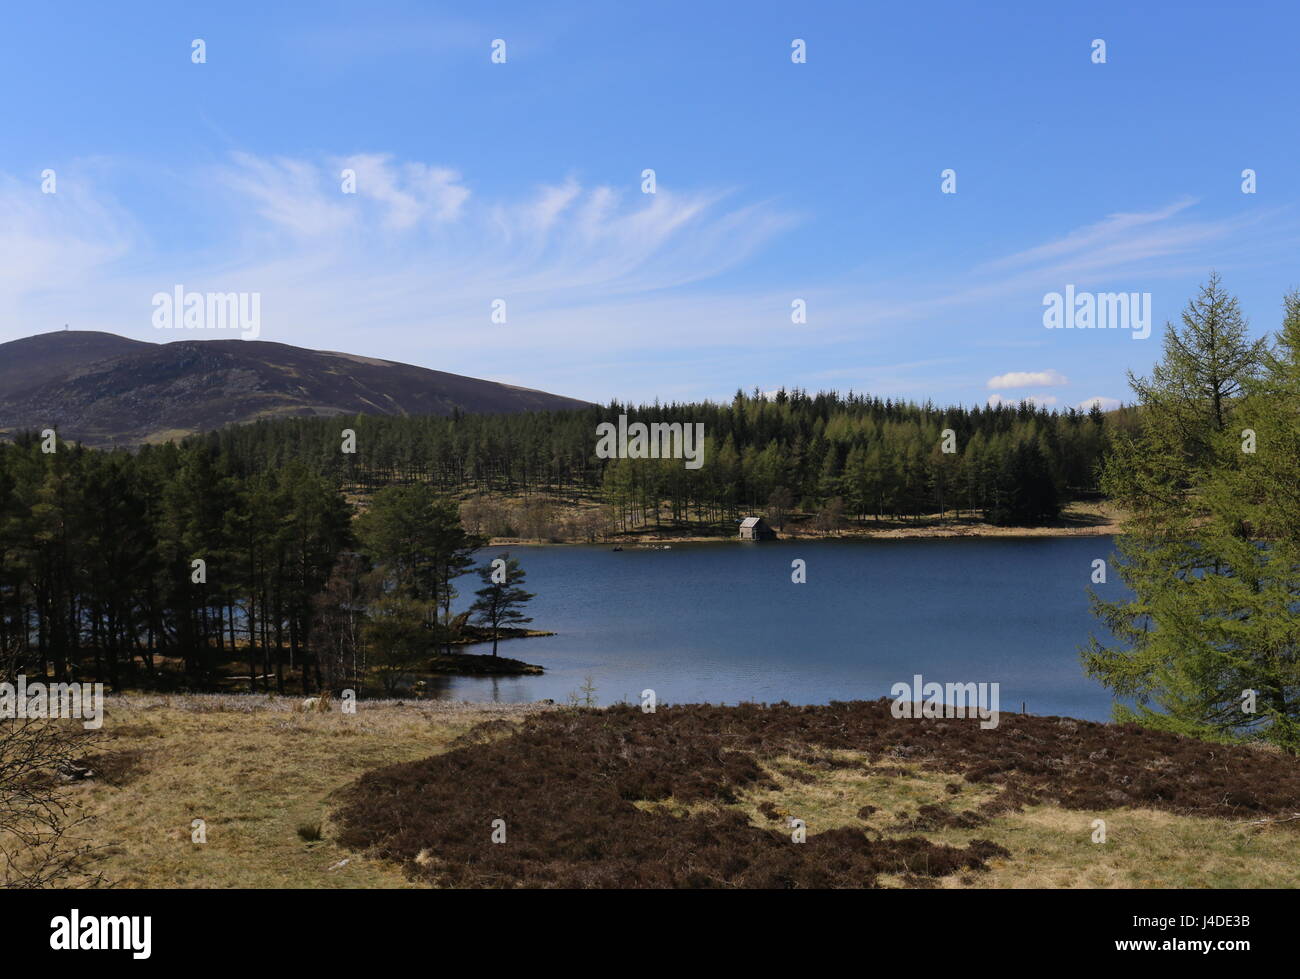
x=480 y=664
x=449 y=663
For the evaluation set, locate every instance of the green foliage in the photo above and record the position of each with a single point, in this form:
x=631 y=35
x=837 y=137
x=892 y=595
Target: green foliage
x=97 y=577
x=400 y=634
x=1025 y=492
x=416 y=537
x=1211 y=548
x=501 y=599
x=402 y=531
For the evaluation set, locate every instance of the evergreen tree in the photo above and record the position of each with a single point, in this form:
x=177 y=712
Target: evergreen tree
x=501 y=599
x=1204 y=550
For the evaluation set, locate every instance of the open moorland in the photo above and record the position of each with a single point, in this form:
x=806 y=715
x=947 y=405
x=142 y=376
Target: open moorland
x=406 y=794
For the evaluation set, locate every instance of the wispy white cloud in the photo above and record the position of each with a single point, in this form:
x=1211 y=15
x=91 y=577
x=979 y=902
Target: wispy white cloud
x=414 y=257
x=1145 y=231
x=409 y=192
x=597 y=280
x=1140 y=248
x=56 y=242
x=382 y=39
x=286 y=194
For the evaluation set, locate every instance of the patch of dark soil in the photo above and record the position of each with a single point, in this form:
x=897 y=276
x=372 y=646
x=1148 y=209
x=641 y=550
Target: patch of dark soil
x=565 y=783
x=932 y=817
x=116 y=768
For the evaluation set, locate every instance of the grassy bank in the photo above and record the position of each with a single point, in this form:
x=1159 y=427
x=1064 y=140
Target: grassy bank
x=688 y=796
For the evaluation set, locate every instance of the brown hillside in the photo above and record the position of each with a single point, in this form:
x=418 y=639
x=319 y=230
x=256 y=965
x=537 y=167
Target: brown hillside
x=103 y=389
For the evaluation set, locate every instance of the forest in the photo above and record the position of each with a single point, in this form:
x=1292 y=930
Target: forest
x=863 y=458
x=268 y=546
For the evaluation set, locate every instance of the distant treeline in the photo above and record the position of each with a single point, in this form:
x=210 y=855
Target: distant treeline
x=860 y=456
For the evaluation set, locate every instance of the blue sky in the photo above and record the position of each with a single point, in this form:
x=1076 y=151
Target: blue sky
x=775 y=181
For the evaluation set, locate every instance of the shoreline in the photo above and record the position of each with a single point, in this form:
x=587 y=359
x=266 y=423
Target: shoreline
x=1082 y=518
x=890 y=533
x=251 y=703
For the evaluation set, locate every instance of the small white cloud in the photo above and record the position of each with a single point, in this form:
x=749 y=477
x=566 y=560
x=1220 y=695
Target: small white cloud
x=1028 y=379
x=1105 y=404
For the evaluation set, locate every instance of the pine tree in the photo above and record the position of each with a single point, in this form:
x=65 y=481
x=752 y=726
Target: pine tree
x=501 y=598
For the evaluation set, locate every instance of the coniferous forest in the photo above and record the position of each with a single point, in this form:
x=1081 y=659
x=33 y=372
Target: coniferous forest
x=874 y=459
x=244 y=545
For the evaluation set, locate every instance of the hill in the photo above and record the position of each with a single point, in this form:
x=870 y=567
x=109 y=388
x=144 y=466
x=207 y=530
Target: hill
x=103 y=389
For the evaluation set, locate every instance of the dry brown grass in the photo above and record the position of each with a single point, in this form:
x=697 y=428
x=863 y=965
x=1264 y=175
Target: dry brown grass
x=256 y=769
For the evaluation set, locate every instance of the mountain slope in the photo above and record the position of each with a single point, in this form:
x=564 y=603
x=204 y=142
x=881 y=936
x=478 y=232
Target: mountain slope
x=31 y=361
x=103 y=389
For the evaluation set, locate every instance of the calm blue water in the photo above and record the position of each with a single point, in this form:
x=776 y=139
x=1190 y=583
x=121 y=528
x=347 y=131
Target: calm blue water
x=724 y=623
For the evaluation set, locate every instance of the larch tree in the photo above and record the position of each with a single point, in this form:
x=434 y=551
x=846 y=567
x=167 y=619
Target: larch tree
x=1204 y=640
